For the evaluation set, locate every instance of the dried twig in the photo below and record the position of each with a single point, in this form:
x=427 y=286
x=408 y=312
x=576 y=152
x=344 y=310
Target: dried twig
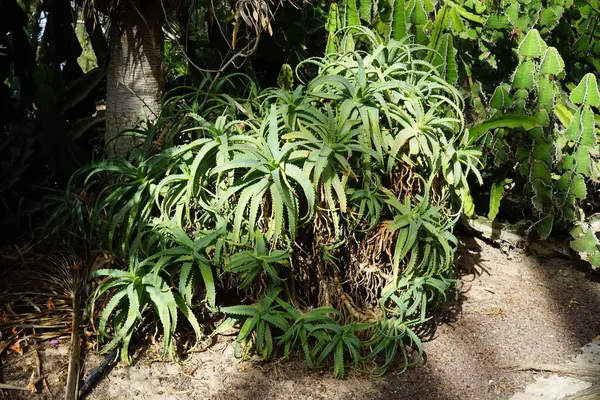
x=13 y=387
x=38 y=365
x=74 y=354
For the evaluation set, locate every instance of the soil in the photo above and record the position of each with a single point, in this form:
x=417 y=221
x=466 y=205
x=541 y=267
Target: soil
x=513 y=308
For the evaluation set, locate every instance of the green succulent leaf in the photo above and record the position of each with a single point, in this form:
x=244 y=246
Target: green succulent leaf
x=532 y=45
x=543 y=119
x=544 y=226
x=501 y=98
x=446 y=58
x=586 y=92
x=352 y=16
x=546 y=93
x=399 y=22
x=585 y=243
x=365 y=10
x=582 y=129
x=524 y=77
x=578 y=187
x=506 y=121
x=496 y=194
x=418 y=15
x=552 y=63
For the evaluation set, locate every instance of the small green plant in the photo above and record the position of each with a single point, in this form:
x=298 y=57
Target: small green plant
x=249 y=264
x=302 y=330
x=341 y=340
x=258 y=320
x=133 y=292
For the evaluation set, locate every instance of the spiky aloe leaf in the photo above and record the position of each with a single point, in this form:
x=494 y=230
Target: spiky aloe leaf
x=225 y=326
x=122 y=332
x=209 y=282
x=586 y=92
x=189 y=315
x=165 y=304
x=248 y=311
x=552 y=62
x=113 y=273
x=532 y=45
x=115 y=300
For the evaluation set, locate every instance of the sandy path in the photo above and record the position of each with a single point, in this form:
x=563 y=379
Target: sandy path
x=511 y=310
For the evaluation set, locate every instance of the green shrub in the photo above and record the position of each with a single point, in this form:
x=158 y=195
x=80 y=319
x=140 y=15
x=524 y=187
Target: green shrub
x=331 y=207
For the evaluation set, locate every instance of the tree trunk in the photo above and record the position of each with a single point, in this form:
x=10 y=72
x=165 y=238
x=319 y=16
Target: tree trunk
x=135 y=78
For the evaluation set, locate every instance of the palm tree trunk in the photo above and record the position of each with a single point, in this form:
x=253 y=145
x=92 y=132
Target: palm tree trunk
x=135 y=75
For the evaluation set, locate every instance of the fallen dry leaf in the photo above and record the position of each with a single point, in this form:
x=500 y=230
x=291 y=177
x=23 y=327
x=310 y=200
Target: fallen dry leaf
x=77 y=265
x=31 y=385
x=50 y=304
x=16 y=347
x=491 y=311
x=3 y=346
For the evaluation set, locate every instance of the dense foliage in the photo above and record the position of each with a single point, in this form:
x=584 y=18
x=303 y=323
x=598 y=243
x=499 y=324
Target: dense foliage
x=509 y=57
x=317 y=217
x=341 y=193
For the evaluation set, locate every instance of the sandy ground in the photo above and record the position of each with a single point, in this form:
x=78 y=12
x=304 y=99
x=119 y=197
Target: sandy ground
x=513 y=308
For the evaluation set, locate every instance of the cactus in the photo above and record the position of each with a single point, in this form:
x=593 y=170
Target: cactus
x=554 y=163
